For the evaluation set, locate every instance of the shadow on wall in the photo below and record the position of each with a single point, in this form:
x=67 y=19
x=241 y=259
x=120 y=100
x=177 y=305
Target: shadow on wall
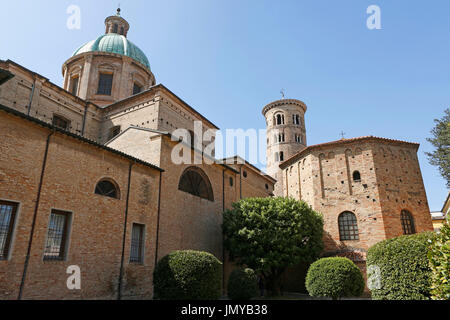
x=294 y=278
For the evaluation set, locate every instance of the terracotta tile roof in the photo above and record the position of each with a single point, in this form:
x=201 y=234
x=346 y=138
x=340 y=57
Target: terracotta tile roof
x=291 y=159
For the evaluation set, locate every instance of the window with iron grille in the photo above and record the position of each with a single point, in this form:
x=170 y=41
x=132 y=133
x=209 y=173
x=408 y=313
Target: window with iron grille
x=7 y=217
x=114 y=132
x=196 y=182
x=407 y=222
x=107 y=188
x=60 y=122
x=137 y=243
x=136 y=88
x=74 y=86
x=348 y=226
x=55 y=247
x=105 y=84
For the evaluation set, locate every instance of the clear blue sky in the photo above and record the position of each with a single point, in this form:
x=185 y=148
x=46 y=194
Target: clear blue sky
x=229 y=58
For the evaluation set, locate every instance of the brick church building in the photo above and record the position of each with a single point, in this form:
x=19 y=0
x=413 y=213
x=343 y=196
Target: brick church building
x=87 y=177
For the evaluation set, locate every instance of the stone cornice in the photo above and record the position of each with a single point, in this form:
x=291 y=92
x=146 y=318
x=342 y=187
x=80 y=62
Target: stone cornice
x=284 y=102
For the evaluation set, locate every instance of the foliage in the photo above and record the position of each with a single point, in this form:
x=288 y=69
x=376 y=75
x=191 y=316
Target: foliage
x=439 y=258
x=402 y=266
x=242 y=284
x=334 y=277
x=188 y=275
x=441 y=141
x=271 y=234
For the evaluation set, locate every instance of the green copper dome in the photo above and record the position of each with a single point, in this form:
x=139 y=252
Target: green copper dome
x=114 y=43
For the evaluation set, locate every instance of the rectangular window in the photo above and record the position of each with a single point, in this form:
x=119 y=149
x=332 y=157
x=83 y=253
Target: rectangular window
x=7 y=217
x=114 y=132
x=55 y=247
x=136 y=88
x=105 y=84
x=74 y=86
x=60 y=122
x=137 y=243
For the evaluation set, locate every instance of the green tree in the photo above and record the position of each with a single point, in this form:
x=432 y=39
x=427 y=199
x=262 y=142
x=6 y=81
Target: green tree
x=271 y=234
x=439 y=258
x=441 y=141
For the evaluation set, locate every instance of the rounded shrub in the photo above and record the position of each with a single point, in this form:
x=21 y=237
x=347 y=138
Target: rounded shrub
x=334 y=277
x=400 y=268
x=242 y=284
x=188 y=275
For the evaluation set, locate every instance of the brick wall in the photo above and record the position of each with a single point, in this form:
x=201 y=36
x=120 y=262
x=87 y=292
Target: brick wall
x=95 y=243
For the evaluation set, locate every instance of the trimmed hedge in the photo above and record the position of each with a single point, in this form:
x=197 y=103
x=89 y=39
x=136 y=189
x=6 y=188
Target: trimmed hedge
x=439 y=258
x=402 y=267
x=188 y=275
x=334 y=277
x=242 y=284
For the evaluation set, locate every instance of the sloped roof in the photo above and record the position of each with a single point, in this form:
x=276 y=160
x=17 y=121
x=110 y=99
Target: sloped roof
x=296 y=156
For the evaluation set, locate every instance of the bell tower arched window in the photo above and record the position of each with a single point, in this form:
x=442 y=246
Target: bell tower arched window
x=195 y=181
x=279 y=119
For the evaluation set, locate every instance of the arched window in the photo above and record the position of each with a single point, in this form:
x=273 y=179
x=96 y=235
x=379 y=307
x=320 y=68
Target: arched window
x=348 y=226
x=407 y=222
x=196 y=182
x=107 y=188
x=356 y=176
x=279 y=119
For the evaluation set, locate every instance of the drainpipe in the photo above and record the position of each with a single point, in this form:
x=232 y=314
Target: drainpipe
x=31 y=97
x=240 y=182
x=223 y=248
x=119 y=293
x=157 y=219
x=84 y=119
x=36 y=207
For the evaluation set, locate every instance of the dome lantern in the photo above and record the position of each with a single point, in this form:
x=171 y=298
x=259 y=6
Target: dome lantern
x=116 y=24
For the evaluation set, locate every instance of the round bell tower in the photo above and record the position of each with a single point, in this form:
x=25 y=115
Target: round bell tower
x=286 y=135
